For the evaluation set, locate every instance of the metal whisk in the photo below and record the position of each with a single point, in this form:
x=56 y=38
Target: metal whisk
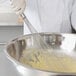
x=19 y=9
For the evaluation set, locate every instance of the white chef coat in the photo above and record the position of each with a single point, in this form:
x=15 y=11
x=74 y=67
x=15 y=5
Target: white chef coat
x=51 y=15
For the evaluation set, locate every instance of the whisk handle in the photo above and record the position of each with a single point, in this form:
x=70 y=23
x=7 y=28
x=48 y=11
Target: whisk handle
x=29 y=25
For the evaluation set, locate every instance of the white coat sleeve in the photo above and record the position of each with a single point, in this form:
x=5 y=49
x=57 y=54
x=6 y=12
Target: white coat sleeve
x=73 y=16
x=31 y=12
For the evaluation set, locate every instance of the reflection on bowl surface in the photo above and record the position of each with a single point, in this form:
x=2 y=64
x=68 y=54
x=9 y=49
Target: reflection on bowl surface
x=61 y=57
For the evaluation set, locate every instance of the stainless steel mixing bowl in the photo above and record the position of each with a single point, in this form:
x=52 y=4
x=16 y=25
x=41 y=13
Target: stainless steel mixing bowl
x=60 y=43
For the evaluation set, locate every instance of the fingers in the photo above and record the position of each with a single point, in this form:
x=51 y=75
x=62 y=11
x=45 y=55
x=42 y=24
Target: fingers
x=18 y=5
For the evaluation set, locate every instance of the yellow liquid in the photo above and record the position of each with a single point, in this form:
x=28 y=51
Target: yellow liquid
x=48 y=62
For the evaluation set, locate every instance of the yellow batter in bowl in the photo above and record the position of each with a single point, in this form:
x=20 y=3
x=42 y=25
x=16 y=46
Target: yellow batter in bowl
x=48 y=62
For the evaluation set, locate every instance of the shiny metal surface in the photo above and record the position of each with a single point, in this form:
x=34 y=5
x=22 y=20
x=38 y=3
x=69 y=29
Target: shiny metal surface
x=7 y=68
x=58 y=42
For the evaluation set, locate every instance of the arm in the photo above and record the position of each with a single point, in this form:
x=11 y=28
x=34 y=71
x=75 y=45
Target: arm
x=73 y=17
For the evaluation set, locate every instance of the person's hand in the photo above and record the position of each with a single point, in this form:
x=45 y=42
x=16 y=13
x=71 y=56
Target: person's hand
x=18 y=5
